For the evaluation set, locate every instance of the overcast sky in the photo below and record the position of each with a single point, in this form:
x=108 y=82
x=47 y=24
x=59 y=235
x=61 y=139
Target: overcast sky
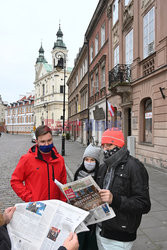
x=23 y=24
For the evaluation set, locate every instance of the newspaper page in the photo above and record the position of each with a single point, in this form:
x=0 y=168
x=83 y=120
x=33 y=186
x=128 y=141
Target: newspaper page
x=84 y=193
x=43 y=225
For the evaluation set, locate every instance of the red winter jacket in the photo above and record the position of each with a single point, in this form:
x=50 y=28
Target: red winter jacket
x=33 y=178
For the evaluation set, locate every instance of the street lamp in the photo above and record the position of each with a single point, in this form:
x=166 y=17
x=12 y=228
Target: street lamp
x=62 y=65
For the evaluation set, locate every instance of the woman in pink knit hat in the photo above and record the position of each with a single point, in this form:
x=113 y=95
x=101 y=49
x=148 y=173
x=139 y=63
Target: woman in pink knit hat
x=123 y=180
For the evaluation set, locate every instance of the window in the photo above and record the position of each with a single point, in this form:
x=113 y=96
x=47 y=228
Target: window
x=102 y=34
x=116 y=56
x=115 y=12
x=52 y=117
x=127 y=2
x=53 y=90
x=97 y=81
x=61 y=89
x=148 y=33
x=146 y=132
x=38 y=91
x=148 y=120
x=76 y=106
x=83 y=69
x=129 y=47
x=91 y=86
x=86 y=99
x=81 y=73
x=91 y=53
x=103 y=77
x=43 y=89
x=76 y=80
x=96 y=44
x=86 y=65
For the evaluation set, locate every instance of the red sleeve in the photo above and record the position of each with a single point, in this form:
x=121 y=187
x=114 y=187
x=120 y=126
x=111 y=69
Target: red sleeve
x=17 y=179
x=63 y=181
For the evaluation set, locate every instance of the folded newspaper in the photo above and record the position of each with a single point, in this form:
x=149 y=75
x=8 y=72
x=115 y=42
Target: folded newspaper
x=44 y=225
x=84 y=193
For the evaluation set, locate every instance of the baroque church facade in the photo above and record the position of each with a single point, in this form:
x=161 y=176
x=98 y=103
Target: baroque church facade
x=50 y=82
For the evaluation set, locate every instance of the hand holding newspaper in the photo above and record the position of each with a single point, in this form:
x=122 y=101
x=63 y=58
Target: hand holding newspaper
x=43 y=225
x=84 y=194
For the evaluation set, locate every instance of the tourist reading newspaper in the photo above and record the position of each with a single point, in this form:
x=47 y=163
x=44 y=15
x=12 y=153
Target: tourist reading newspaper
x=44 y=225
x=84 y=194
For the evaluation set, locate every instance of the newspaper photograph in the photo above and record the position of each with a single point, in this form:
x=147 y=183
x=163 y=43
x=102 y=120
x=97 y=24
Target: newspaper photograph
x=44 y=225
x=84 y=193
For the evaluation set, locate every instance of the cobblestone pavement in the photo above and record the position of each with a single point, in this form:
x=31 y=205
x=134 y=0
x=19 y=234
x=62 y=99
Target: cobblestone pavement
x=152 y=233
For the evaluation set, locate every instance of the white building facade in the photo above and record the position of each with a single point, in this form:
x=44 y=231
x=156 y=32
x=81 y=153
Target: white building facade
x=49 y=87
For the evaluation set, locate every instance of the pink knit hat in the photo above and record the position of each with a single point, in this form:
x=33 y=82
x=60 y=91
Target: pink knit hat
x=113 y=136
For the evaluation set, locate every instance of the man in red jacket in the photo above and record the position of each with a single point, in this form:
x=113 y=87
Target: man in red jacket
x=33 y=177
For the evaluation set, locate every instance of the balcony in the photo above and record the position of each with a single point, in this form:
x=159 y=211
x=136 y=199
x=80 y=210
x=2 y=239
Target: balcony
x=119 y=80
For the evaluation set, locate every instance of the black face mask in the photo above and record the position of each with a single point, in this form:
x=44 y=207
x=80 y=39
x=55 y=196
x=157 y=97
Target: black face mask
x=108 y=153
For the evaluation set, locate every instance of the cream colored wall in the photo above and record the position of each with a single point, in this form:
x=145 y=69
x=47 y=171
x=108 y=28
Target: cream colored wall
x=52 y=101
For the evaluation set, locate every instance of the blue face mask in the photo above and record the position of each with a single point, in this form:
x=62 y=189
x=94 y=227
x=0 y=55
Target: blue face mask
x=46 y=148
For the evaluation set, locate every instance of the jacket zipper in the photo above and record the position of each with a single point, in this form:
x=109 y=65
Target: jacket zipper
x=53 y=174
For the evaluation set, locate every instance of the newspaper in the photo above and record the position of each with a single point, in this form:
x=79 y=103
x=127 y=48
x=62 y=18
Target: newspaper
x=84 y=193
x=44 y=225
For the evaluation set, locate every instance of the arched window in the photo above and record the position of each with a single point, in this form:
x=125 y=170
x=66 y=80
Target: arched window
x=146 y=108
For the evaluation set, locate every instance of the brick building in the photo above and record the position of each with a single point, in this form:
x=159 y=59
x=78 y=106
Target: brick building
x=127 y=68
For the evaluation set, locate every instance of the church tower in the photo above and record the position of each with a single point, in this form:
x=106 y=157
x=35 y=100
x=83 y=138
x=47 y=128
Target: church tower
x=59 y=48
x=40 y=60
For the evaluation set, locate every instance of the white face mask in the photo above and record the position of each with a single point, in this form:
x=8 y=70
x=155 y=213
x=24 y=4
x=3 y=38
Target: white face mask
x=89 y=165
